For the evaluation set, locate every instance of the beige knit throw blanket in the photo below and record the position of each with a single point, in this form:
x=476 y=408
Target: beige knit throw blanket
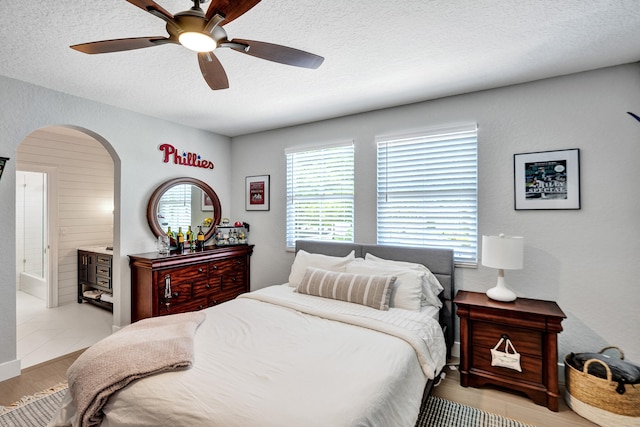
x=147 y=347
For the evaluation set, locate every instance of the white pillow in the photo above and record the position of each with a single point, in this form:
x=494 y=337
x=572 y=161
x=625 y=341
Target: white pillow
x=407 y=290
x=305 y=259
x=431 y=286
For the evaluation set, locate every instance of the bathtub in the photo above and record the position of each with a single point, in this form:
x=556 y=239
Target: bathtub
x=33 y=285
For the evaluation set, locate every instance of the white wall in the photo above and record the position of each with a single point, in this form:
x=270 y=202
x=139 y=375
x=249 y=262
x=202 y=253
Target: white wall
x=132 y=140
x=585 y=259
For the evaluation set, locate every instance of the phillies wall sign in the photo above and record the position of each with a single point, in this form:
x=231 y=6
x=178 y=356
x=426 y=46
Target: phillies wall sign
x=171 y=153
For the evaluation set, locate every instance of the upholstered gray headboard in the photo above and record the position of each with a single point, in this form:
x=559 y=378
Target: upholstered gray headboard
x=439 y=261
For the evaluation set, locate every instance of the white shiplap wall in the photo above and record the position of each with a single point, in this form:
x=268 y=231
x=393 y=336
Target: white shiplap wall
x=85 y=195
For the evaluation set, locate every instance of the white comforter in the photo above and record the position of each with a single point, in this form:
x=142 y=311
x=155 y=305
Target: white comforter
x=276 y=358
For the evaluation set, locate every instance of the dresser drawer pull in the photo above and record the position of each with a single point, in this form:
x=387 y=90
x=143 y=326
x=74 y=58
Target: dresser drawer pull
x=167 y=291
x=208 y=286
x=200 y=270
x=215 y=267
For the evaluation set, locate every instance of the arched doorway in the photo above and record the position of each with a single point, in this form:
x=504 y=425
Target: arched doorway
x=79 y=174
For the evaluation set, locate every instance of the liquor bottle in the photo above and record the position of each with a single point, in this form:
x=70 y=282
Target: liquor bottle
x=171 y=235
x=180 y=240
x=189 y=237
x=200 y=239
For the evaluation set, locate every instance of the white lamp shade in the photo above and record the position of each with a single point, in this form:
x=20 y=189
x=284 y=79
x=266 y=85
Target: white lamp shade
x=504 y=252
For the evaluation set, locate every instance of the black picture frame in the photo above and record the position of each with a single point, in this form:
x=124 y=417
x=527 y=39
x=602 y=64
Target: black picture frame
x=257 y=193
x=3 y=162
x=547 y=180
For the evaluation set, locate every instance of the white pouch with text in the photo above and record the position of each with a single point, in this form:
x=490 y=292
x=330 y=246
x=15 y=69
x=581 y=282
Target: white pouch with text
x=509 y=358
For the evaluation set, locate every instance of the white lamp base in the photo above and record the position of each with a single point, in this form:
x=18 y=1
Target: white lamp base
x=500 y=292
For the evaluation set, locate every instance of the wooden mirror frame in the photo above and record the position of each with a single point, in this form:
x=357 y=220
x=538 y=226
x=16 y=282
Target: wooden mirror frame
x=154 y=200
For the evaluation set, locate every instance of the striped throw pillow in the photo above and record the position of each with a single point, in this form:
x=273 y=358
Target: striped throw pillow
x=365 y=289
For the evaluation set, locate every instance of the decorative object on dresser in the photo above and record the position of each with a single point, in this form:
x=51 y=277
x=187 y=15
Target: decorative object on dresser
x=504 y=253
x=533 y=327
x=178 y=283
x=94 y=276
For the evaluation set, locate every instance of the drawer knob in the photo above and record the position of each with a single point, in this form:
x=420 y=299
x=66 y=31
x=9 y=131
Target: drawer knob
x=208 y=286
x=215 y=267
x=200 y=270
x=175 y=295
x=233 y=279
x=200 y=307
x=214 y=302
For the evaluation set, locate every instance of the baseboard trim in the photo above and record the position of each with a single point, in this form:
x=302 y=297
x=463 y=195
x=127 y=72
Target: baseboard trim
x=10 y=369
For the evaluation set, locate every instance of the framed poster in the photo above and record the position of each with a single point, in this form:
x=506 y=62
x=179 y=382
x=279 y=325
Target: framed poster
x=207 y=203
x=547 y=180
x=257 y=193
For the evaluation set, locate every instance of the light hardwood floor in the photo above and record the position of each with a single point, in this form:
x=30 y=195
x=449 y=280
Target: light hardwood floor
x=511 y=405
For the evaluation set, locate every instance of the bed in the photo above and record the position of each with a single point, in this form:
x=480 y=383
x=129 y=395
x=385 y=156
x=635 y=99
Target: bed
x=286 y=356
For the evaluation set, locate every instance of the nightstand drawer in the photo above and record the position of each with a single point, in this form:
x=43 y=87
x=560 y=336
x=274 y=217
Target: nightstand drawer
x=526 y=341
x=531 y=366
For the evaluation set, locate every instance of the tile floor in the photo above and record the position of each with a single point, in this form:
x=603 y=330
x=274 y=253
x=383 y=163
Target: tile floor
x=47 y=333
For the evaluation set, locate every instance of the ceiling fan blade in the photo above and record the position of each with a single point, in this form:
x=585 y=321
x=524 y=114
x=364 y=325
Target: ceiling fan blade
x=117 y=45
x=212 y=71
x=150 y=6
x=282 y=54
x=231 y=9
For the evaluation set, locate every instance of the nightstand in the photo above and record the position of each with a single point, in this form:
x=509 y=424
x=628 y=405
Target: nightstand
x=533 y=327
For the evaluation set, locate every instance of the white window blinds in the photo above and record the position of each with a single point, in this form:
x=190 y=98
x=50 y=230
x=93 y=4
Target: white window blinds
x=175 y=208
x=427 y=190
x=320 y=193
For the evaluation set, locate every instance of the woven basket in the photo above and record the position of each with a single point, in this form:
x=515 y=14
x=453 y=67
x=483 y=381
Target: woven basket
x=596 y=398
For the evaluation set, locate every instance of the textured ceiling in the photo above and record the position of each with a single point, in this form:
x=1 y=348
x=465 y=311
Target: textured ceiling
x=377 y=54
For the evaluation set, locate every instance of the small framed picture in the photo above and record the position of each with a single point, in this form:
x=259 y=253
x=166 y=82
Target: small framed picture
x=547 y=180
x=3 y=161
x=207 y=203
x=257 y=193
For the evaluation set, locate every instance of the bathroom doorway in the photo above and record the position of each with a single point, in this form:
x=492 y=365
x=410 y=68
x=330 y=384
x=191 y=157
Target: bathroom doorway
x=36 y=271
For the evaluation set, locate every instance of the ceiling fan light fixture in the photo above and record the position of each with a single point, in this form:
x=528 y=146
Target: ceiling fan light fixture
x=196 y=41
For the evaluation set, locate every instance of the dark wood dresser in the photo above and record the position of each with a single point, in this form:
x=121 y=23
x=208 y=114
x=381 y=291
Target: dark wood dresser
x=531 y=325
x=189 y=281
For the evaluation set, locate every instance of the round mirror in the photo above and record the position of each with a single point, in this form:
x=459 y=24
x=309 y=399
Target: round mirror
x=184 y=202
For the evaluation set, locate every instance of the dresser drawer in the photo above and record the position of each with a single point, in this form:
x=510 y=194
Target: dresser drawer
x=205 y=288
x=180 y=293
x=103 y=281
x=227 y=296
x=103 y=260
x=224 y=266
x=233 y=282
x=526 y=341
x=190 y=273
x=531 y=366
x=183 y=307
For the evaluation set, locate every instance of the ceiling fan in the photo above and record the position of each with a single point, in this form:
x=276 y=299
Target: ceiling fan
x=203 y=33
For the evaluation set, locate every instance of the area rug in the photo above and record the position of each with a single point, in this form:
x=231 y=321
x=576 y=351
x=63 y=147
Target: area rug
x=33 y=411
x=438 y=412
x=39 y=409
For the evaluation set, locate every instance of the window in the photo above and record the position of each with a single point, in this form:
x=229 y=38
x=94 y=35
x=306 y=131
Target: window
x=175 y=207
x=427 y=190
x=320 y=193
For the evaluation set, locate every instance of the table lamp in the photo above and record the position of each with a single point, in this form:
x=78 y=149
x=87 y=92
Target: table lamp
x=504 y=253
